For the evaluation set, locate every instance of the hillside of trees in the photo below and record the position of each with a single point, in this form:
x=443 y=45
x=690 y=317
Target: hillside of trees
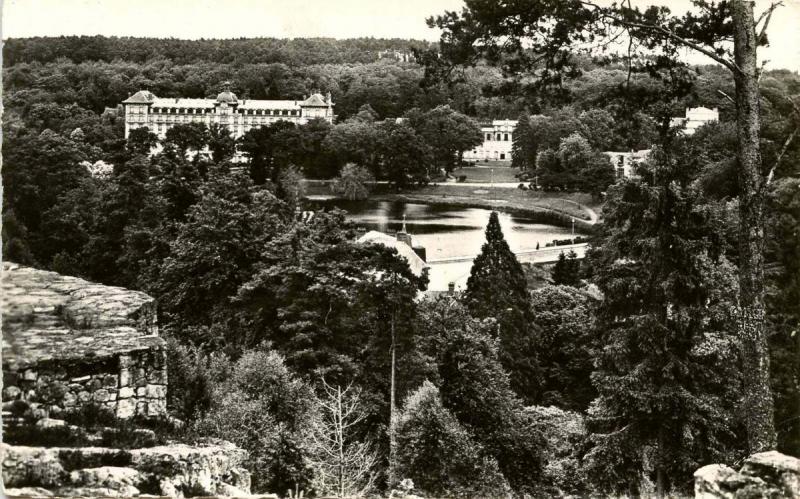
x=289 y=51
x=500 y=390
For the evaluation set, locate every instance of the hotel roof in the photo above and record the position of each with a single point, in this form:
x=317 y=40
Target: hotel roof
x=146 y=97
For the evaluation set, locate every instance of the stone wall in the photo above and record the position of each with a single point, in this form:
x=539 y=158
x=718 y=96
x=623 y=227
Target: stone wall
x=128 y=385
x=68 y=343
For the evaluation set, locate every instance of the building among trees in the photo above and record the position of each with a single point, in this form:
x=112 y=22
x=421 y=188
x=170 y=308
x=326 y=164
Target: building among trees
x=625 y=162
x=144 y=109
x=497 y=140
x=695 y=118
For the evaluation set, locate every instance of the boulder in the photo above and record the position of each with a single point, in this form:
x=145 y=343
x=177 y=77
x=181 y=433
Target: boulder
x=766 y=474
x=50 y=423
x=200 y=469
x=31 y=466
x=96 y=492
x=208 y=469
x=226 y=490
x=111 y=477
x=720 y=481
x=28 y=492
x=778 y=469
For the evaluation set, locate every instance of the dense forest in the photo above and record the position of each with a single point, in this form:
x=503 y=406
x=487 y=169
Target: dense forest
x=501 y=389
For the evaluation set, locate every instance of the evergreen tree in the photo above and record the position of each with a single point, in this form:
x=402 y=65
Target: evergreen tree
x=668 y=375
x=567 y=270
x=475 y=388
x=728 y=32
x=497 y=288
x=566 y=346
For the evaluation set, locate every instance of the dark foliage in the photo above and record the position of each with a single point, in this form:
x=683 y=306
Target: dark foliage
x=497 y=289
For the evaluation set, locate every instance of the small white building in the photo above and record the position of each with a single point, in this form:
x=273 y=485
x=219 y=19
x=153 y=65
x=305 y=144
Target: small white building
x=624 y=162
x=497 y=140
x=695 y=118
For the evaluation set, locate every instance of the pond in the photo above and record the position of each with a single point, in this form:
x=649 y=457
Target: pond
x=447 y=232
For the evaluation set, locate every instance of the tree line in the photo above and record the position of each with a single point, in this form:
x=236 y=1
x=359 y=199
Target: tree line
x=294 y=51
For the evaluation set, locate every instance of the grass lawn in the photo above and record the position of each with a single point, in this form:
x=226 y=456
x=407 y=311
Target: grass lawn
x=484 y=173
x=515 y=199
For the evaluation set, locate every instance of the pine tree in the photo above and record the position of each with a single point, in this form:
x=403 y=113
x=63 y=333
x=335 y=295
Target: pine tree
x=497 y=288
x=667 y=377
x=475 y=388
x=567 y=270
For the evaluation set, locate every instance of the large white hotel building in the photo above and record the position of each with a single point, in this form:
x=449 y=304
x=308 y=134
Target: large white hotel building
x=144 y=109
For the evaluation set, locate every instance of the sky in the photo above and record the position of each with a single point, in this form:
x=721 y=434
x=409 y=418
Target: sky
x=194 y=19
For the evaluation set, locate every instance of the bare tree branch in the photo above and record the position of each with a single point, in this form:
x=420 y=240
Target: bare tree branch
x=768 y=14
x=730 y=99
x=786 y=145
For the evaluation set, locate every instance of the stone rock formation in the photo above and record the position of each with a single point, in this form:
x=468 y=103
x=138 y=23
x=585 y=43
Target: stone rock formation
x=766 y=474
x=71 y=346
x=210 y=469
x=68 y=343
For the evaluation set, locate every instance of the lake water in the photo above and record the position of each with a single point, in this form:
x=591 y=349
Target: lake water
x=447 y=232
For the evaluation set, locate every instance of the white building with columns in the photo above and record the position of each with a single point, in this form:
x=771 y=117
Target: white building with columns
x=144 y=109
x=497 y=140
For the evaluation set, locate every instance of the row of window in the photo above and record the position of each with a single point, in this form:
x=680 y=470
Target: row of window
x=505 y=137
x=162 y=128
x=191 y=119
x=492 y=154
x=250 y=112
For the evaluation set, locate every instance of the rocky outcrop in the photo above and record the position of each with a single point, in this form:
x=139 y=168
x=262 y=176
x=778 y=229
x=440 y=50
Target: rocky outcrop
x=767 y=474
x=69 y=343
x=209 y=469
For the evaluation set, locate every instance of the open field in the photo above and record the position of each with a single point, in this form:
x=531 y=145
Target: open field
x=497 y=173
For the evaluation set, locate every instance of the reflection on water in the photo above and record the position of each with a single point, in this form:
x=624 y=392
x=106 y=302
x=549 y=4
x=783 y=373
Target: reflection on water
x=448 y=231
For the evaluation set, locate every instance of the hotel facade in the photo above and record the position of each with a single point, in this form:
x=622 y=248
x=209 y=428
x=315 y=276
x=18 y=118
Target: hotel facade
x=144 y=109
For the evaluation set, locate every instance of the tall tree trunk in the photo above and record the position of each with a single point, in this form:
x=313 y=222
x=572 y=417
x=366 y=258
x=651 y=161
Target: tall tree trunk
x=392 y=415
x=758 y=404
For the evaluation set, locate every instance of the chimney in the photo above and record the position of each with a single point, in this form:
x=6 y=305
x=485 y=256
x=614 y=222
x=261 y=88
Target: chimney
x=402 y=235
x=451 y=288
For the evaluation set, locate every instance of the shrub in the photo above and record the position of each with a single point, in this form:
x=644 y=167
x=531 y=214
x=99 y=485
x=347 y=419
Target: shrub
x=263 y=408
x=192 y=375
x=352 y=182
x=566 y=437
x=439 y=455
